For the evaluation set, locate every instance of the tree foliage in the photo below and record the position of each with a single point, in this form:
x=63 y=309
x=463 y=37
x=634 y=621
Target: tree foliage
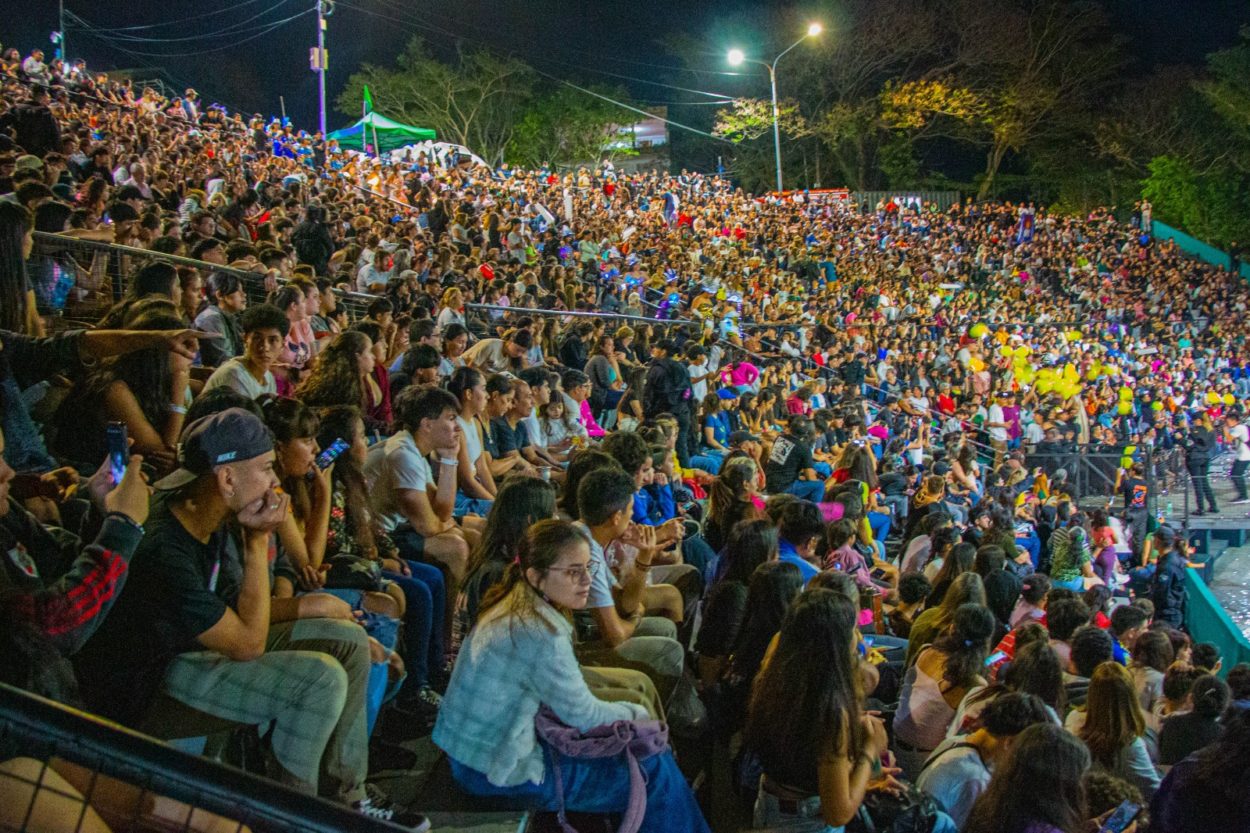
x=567 y=126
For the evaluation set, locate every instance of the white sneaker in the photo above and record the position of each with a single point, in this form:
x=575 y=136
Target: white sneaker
x=1241 y=502
x=414 y=822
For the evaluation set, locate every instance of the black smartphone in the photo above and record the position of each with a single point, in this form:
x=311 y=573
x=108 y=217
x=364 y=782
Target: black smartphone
x=1123 y=816
x=118 y=449
x=331 y=453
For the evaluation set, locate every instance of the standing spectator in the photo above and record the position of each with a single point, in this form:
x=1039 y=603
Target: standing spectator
x=1237 y=435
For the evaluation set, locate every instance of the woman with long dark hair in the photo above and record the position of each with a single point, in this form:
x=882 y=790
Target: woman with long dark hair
x=772 y=587
x=817 y=748
x=937 y=683
x=751 y=543
x=17 y=298
x=522 y=502
x=1209 y=790
x=518 y=659
x=1037 y=789
x=353 y=532
x=343 y=375
x=731 y=498
x=156 y=280
x=148 y=390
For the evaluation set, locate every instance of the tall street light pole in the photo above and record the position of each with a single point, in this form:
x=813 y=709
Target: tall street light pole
x=321 y=65
x=737 y=57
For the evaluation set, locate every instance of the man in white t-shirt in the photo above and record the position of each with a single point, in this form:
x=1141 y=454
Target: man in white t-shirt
x=413 y=505
x=1238 y=437
x=996 y=426
x=264 y=332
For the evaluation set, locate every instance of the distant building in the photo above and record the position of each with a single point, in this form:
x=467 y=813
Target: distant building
x=649 y=138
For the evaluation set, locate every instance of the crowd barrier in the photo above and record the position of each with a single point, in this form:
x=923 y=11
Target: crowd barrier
x=1207 y=621
x=1193 y=246
x=105 y=269
x=153 y=773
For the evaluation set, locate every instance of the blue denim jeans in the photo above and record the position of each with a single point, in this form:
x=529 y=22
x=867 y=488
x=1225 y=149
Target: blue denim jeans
x=425 y=593
x=601 y=785
x=466 y=505
x=813 y=490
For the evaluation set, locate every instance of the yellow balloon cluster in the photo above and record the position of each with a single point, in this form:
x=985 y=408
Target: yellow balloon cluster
x=978 y=330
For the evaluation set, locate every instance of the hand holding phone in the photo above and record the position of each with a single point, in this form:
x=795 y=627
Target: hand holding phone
x=118 y=450
x=1121 y=818
x=327 y=457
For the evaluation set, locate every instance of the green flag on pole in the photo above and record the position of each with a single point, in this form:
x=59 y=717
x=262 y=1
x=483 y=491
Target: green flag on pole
x=368 y=103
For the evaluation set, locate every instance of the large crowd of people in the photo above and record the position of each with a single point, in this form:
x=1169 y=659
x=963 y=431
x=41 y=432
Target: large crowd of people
x=574 y=469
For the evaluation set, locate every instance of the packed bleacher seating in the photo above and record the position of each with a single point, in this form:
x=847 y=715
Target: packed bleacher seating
x=576 y=470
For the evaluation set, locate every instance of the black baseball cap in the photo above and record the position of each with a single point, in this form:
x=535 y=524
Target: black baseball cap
x=229 y=436
x=740 y=437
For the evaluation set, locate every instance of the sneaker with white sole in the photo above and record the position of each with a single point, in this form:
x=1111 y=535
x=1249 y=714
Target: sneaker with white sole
x=414 y=822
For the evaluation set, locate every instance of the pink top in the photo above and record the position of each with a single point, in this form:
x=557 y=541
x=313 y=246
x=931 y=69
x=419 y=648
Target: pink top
x=743 y=373
x=297 y=348
x=587 y=419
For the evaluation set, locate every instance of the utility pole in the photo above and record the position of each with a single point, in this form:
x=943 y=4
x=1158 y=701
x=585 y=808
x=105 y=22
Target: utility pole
x=321 y=64
x=64 y=53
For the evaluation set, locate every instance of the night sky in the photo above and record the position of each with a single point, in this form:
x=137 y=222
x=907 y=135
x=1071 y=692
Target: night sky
x=567 y=38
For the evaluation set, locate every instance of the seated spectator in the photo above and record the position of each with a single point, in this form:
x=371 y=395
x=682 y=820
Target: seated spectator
x=1034 y=670
x=200 y=652
x=1186 y=732
x=1002 y=586
x=959 y=770
x=343 y=375
x=1032 y=604
x=913 y=589
x=1037 y=788
x=264 y=329
x=933 y=622
x=146 y=390
x=790 y=466
x=937 y=682
x=1152 y=655
x=576 y=391
x=801 y=529
x=1208 y=790
x=818 y=754
x=1112 y=725
x=413 y=505
x=731 y=498
x=477 y=487
x=751 y=543
x=226 y=300
x=617 y=600
x=1128 y=623
x=1063 y=618
x=495 y=355
x=1091 y=647
x=518 y=659
x=417 y=366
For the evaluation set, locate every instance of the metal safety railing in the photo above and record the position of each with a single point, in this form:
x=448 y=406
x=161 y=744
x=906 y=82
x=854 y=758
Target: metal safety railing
x=103 y=273
x=68 y=772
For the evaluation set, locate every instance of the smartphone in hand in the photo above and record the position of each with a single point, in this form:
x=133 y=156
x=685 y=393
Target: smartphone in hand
x=329 y=455
x=118 y=450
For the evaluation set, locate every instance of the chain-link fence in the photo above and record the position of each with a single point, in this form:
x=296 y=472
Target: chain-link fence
x=102 y=273
x=62 y=771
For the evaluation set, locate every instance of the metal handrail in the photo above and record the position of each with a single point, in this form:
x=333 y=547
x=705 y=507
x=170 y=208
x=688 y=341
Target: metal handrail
x=44 y=729
x=255 y=280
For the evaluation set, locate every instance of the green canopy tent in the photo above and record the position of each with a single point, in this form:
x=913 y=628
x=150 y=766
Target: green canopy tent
x=377 y=129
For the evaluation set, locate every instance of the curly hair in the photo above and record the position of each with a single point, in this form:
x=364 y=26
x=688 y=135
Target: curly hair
x=335 y=378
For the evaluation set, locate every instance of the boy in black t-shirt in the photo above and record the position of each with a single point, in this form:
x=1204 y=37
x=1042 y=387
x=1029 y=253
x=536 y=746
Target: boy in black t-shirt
x=789 y=468
x=174 y=659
